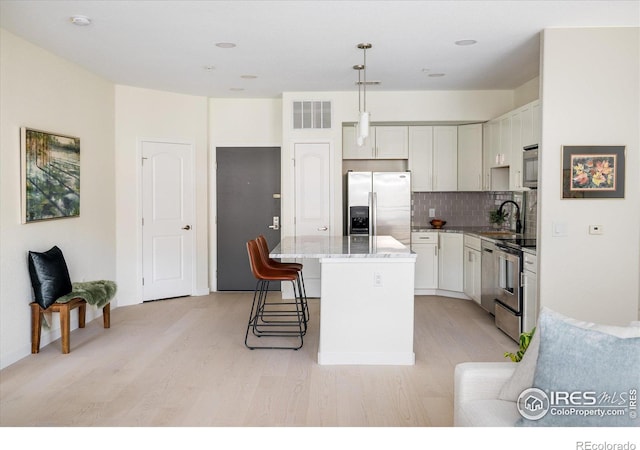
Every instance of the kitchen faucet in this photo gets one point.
(518, 223)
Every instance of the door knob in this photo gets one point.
(276, 223)
(323, 229)
(186, 227)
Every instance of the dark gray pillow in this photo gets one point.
(49, 276)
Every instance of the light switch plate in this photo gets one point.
(559, 229)
(432, 212)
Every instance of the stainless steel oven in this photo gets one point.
(530, 166)
(508, 307)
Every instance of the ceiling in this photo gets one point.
(305, 45)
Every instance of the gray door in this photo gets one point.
(248, 199)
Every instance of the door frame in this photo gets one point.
(139, 229)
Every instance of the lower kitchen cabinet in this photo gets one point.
(529, 291)
(450, 261)
(425, 245)
(472, 268)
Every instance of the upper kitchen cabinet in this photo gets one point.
(421, 158)
(530, 116)
(384, 142)
(470, 157)
(433, 158)
(445, 158)
(515, 166)
(494, 149)
(525, 131)
(350, 147)
(486, 156)
(392, 142)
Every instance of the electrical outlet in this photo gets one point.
(377, 279)
(595, 229)
(432, 212)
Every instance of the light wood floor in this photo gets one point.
(182, 362)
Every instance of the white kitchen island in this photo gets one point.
(366, 304)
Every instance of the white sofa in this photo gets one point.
(564, 355)
(476, 402)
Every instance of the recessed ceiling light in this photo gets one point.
(225, 44)
(466, 42)
(81, 21)
(209, 68)
(435, 75)
(249, 77)
(236, 89)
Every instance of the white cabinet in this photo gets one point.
(504, 157)
(486, 157)
(391, 142)
(493, 151)
(472, 268)
(425, 245)
(470, 157)
(530, 114)
(433, 162)
(498, 152)
(537, 131)
(530, 291)
(445, 158)
(421, 158)
(384, 142)
(515, 166)
(450, 259)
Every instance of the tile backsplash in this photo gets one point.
(469, 209)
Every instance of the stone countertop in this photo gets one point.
(488, 233)
(341, 247)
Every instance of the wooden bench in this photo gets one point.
(65, 312)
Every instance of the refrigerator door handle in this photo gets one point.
(374, 212)
(370, 206)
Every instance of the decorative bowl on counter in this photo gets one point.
(438, 223)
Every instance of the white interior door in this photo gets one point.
(168, 219)
(313, 202)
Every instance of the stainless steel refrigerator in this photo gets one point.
(379, 203)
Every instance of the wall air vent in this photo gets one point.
(308, 115)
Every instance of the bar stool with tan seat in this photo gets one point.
(274, 319)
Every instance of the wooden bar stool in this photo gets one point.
(273, 319)
(65, 312)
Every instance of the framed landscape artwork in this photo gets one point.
(50, 175)
(593, 171)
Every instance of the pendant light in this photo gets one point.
(363, 116)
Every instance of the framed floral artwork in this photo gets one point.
(593, 171)
(50, 175)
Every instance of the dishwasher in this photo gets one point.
(489, 276)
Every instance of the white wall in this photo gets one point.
(40, 90)
(526, 93)
(149, 114)
(591, 96)
(238, 123)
